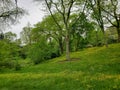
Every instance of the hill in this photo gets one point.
(95, 68)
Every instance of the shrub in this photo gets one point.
(8, 54)
(42, 51)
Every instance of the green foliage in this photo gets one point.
(96, 68)
(23, 51)
(42, 51)
(47, 28)
(80, 32)
(26, 34)
(10, 36)
(112, 34)
(96, 38)
(8, 54)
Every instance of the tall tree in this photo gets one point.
(49, 29)
(112, 14)
(97, 14)
(81, 29)
(64, 8)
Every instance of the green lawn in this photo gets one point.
(95, 68)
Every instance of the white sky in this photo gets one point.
(35, 15)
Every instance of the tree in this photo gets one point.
(97, 14)
(26, 34)
(48, 28)
(81, 30)
(9, 12)
(10, 36)
(9, 8)
(8, 54)
(1, 36)
(112, 34)
(64, 8)
(112, 14)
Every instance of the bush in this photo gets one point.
(8, 54)
(17, 66)
(11, 64)
(42, 51)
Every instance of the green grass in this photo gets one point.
(97, 69)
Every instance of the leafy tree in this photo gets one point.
(10, 36)
(49, 29)
(64, 8)
(80, 31)
(26, 34)
(8, 54)
(112, 14)
(112, 34)
(98, 15)
(9, 51)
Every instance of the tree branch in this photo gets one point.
(53, 15)
(69, 10)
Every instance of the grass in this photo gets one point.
(98, 68)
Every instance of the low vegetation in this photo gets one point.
(65, 50)
(95, 68)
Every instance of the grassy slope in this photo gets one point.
(97, 69)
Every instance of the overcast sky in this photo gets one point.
(35, 15)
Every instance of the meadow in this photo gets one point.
(96, 68)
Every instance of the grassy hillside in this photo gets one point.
(90, 69)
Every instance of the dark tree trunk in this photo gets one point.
(118, 31)
(96, 39)
(61, 46)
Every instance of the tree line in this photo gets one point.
(70, 25)
(74, 24)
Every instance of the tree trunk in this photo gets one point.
(105, 39)
(96, 38)
(78, 42)
(67, 47)
(104, 35)
(118, 31)
(61, 45)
